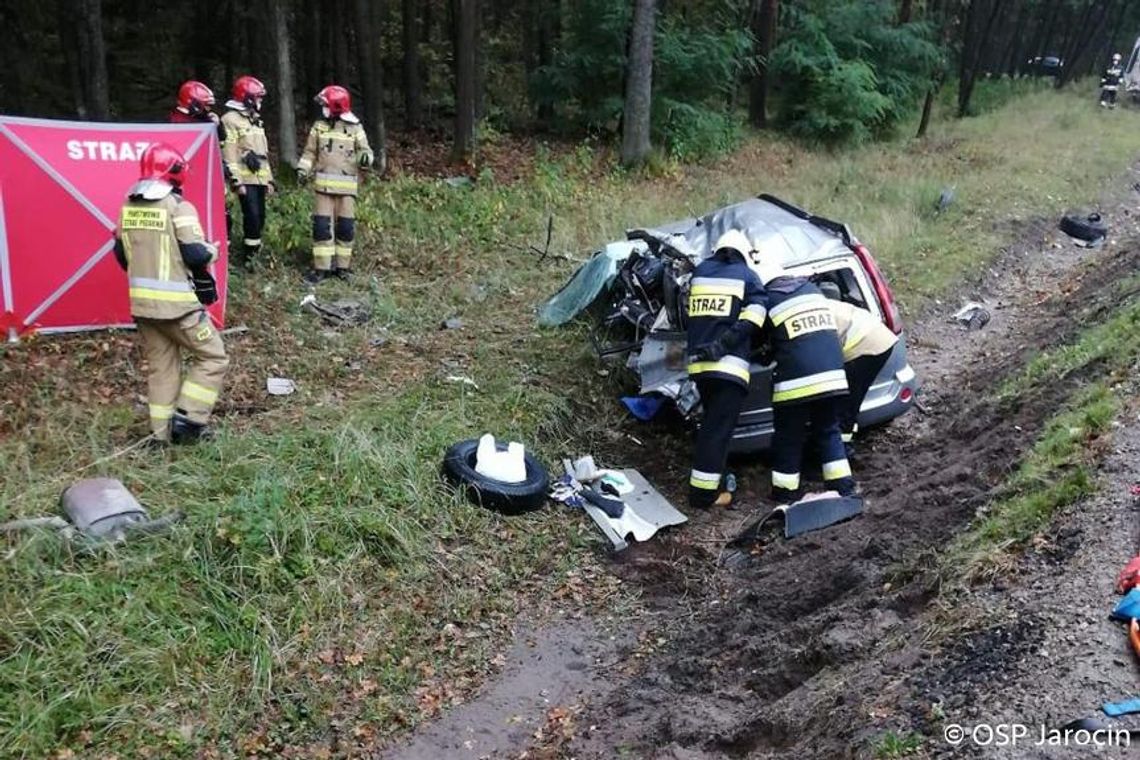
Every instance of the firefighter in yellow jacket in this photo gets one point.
(159, 243)
(335, 152)
(867, 344)
(246, 154)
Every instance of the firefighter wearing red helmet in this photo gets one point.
(195, 104)
(160, 245)
(336, 150)
(246, 154)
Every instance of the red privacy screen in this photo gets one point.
(61, 186)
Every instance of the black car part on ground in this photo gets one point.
(1084, 227)
(507, 498)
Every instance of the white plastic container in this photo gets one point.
(504, 466)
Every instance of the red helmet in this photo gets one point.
(195, 98)
(249, 91)
(335, 100)
(163, 162)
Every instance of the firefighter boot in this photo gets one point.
(184, 431)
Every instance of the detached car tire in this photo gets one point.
(1084, 227)
(507, 498)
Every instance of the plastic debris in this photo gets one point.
(973, 315)
(280, 386)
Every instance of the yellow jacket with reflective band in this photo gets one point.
(809, 359)
(860, 333)
(160, 285)
(332, 154)
(244, 135)
(723, 293)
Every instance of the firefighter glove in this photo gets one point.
(709, 352)
(204, 286)
(366, 159)
(302, 175)
(252, 161)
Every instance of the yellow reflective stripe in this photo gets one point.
(840, 468)
(708, 481)
(697, 368)
(754, 314)
(344, 251)
(790, 481)
(164, 295)
(806, 391)
(717, 290)
(847, 437)
(348, 183)
(197, 392)
(161, 411)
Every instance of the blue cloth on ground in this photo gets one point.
(1128, 607)
(1116, 709)
(643, 408)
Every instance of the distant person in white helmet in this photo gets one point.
(1110, 82)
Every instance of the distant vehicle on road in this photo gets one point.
(1044, 66)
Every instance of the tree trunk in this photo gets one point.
(89, 71)
(764, 17)
(927, 110)
(480, 64)
(413, 114)
(371, 79)
(906, 12)
(286, 105)
(639, 85)
(339, 41)
(466, 21)
(549, 22)
(973, 52)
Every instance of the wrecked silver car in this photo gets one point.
(638, 288)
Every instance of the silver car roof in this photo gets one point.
(771, 229)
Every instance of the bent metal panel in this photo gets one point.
(61, 186)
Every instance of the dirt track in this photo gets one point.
(811, 651)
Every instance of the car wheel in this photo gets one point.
(1084, 228)
(507, 498)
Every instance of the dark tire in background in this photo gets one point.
(1084, 227)
(507, 498)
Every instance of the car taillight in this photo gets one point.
(882, 290)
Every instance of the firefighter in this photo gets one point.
(195, 106)
(159, 243)
(808, 384)
(246, 153)
(336, 150)
(1110, 82)
(725, 313)
(867, 344)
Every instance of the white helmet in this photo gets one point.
(734, 240)
(765, 267)
(1116, 57)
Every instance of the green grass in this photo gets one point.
(1060, 468)
(321, 564)
(893, 745)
